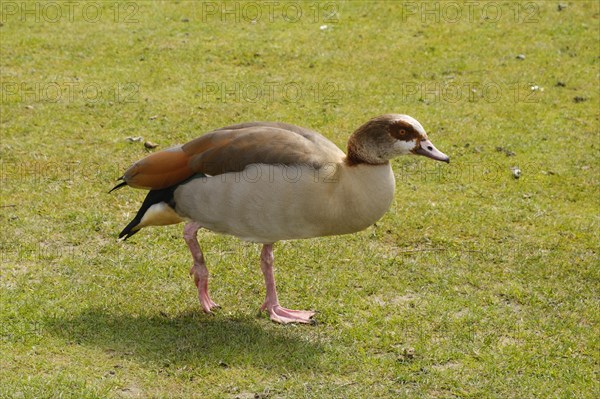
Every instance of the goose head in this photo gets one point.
(388, 136)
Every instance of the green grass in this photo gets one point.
(474, 285)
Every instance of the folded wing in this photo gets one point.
(232, 149)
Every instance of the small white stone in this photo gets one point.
(516, 172)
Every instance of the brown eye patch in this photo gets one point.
(402, 130)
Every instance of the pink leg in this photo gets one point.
(276, 312)
(198, 270)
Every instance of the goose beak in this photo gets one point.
(427, 149)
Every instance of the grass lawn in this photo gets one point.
(475, 284)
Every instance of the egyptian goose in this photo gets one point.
(264, 182)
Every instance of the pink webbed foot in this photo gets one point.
(202, 284)
(271, 304)
(198, 270)
(282, 315)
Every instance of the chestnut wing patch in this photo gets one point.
(232, 149)
(159, 170)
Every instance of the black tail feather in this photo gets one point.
(118, 186)
(128, 231)
(153, 197)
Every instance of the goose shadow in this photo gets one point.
(190, 339)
